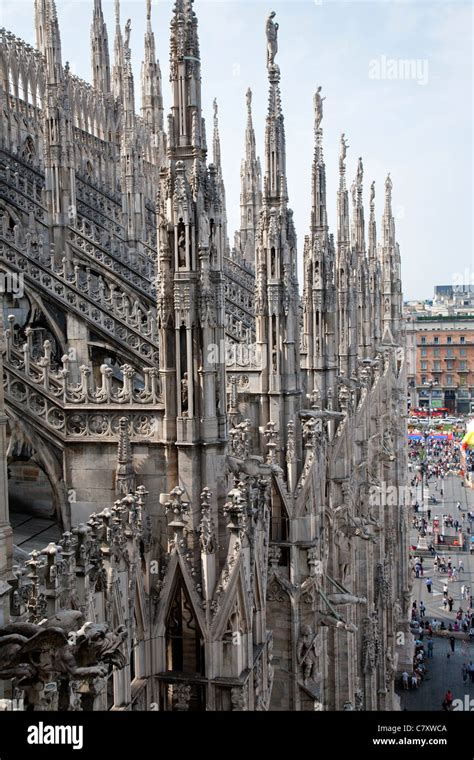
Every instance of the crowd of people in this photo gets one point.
(439, 456)
(431, 460)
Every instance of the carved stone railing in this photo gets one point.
(40, 372)
(138, 260)
(113, 261)
(62, 289)
(22, 187)
(102, 201)
(68, 423)
(20, 174)
(16, 193)
(237, 326)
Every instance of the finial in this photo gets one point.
(215, 107)
(148, 10)
(318, 107)
(360, 173)
(272, 40)
(343, 153)
(128, 28)
(248, 98)
(117, 12)
(388, 194)
(124, 473)
(372, 193)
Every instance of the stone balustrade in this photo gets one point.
(130, 389)
(116, 317)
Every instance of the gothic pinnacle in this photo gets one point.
(388, 195)
(216, 155)
(342, 161)
(100, 50)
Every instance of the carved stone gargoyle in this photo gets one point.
(40, 653)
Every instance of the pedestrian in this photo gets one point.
(454, 576)
(414, 681)
(452, 641)
(430, 647)
(460, 566)
(429, 583)
(465, 673)
(458, 505)
(405, 680)
(445, 602)
(448, 700)
(450, 603)
(471, 671)
(429, 514)
(445, 589)
(422, 609)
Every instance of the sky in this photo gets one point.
(397, 78)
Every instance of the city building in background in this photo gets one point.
(440, 350)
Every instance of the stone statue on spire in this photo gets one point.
(372, 193)
(360, 172)
(148, 10)
(318, 107)
(128, 27)
(248, 98)
(272, 40)
(343, 150)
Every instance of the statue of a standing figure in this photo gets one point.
(204, 230)
(248, 98)
(272, 40)
(318, 107)
(184, 395)
(344, 146)
(128, 27)
(372, 192)
(308, 654)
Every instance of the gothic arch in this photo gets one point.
(48, 459)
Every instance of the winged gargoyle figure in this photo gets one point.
(51, 649)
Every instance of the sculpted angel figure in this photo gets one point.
(272, 39)
(128, 27)
(318, 107)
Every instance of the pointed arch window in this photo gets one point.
(184, 640)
